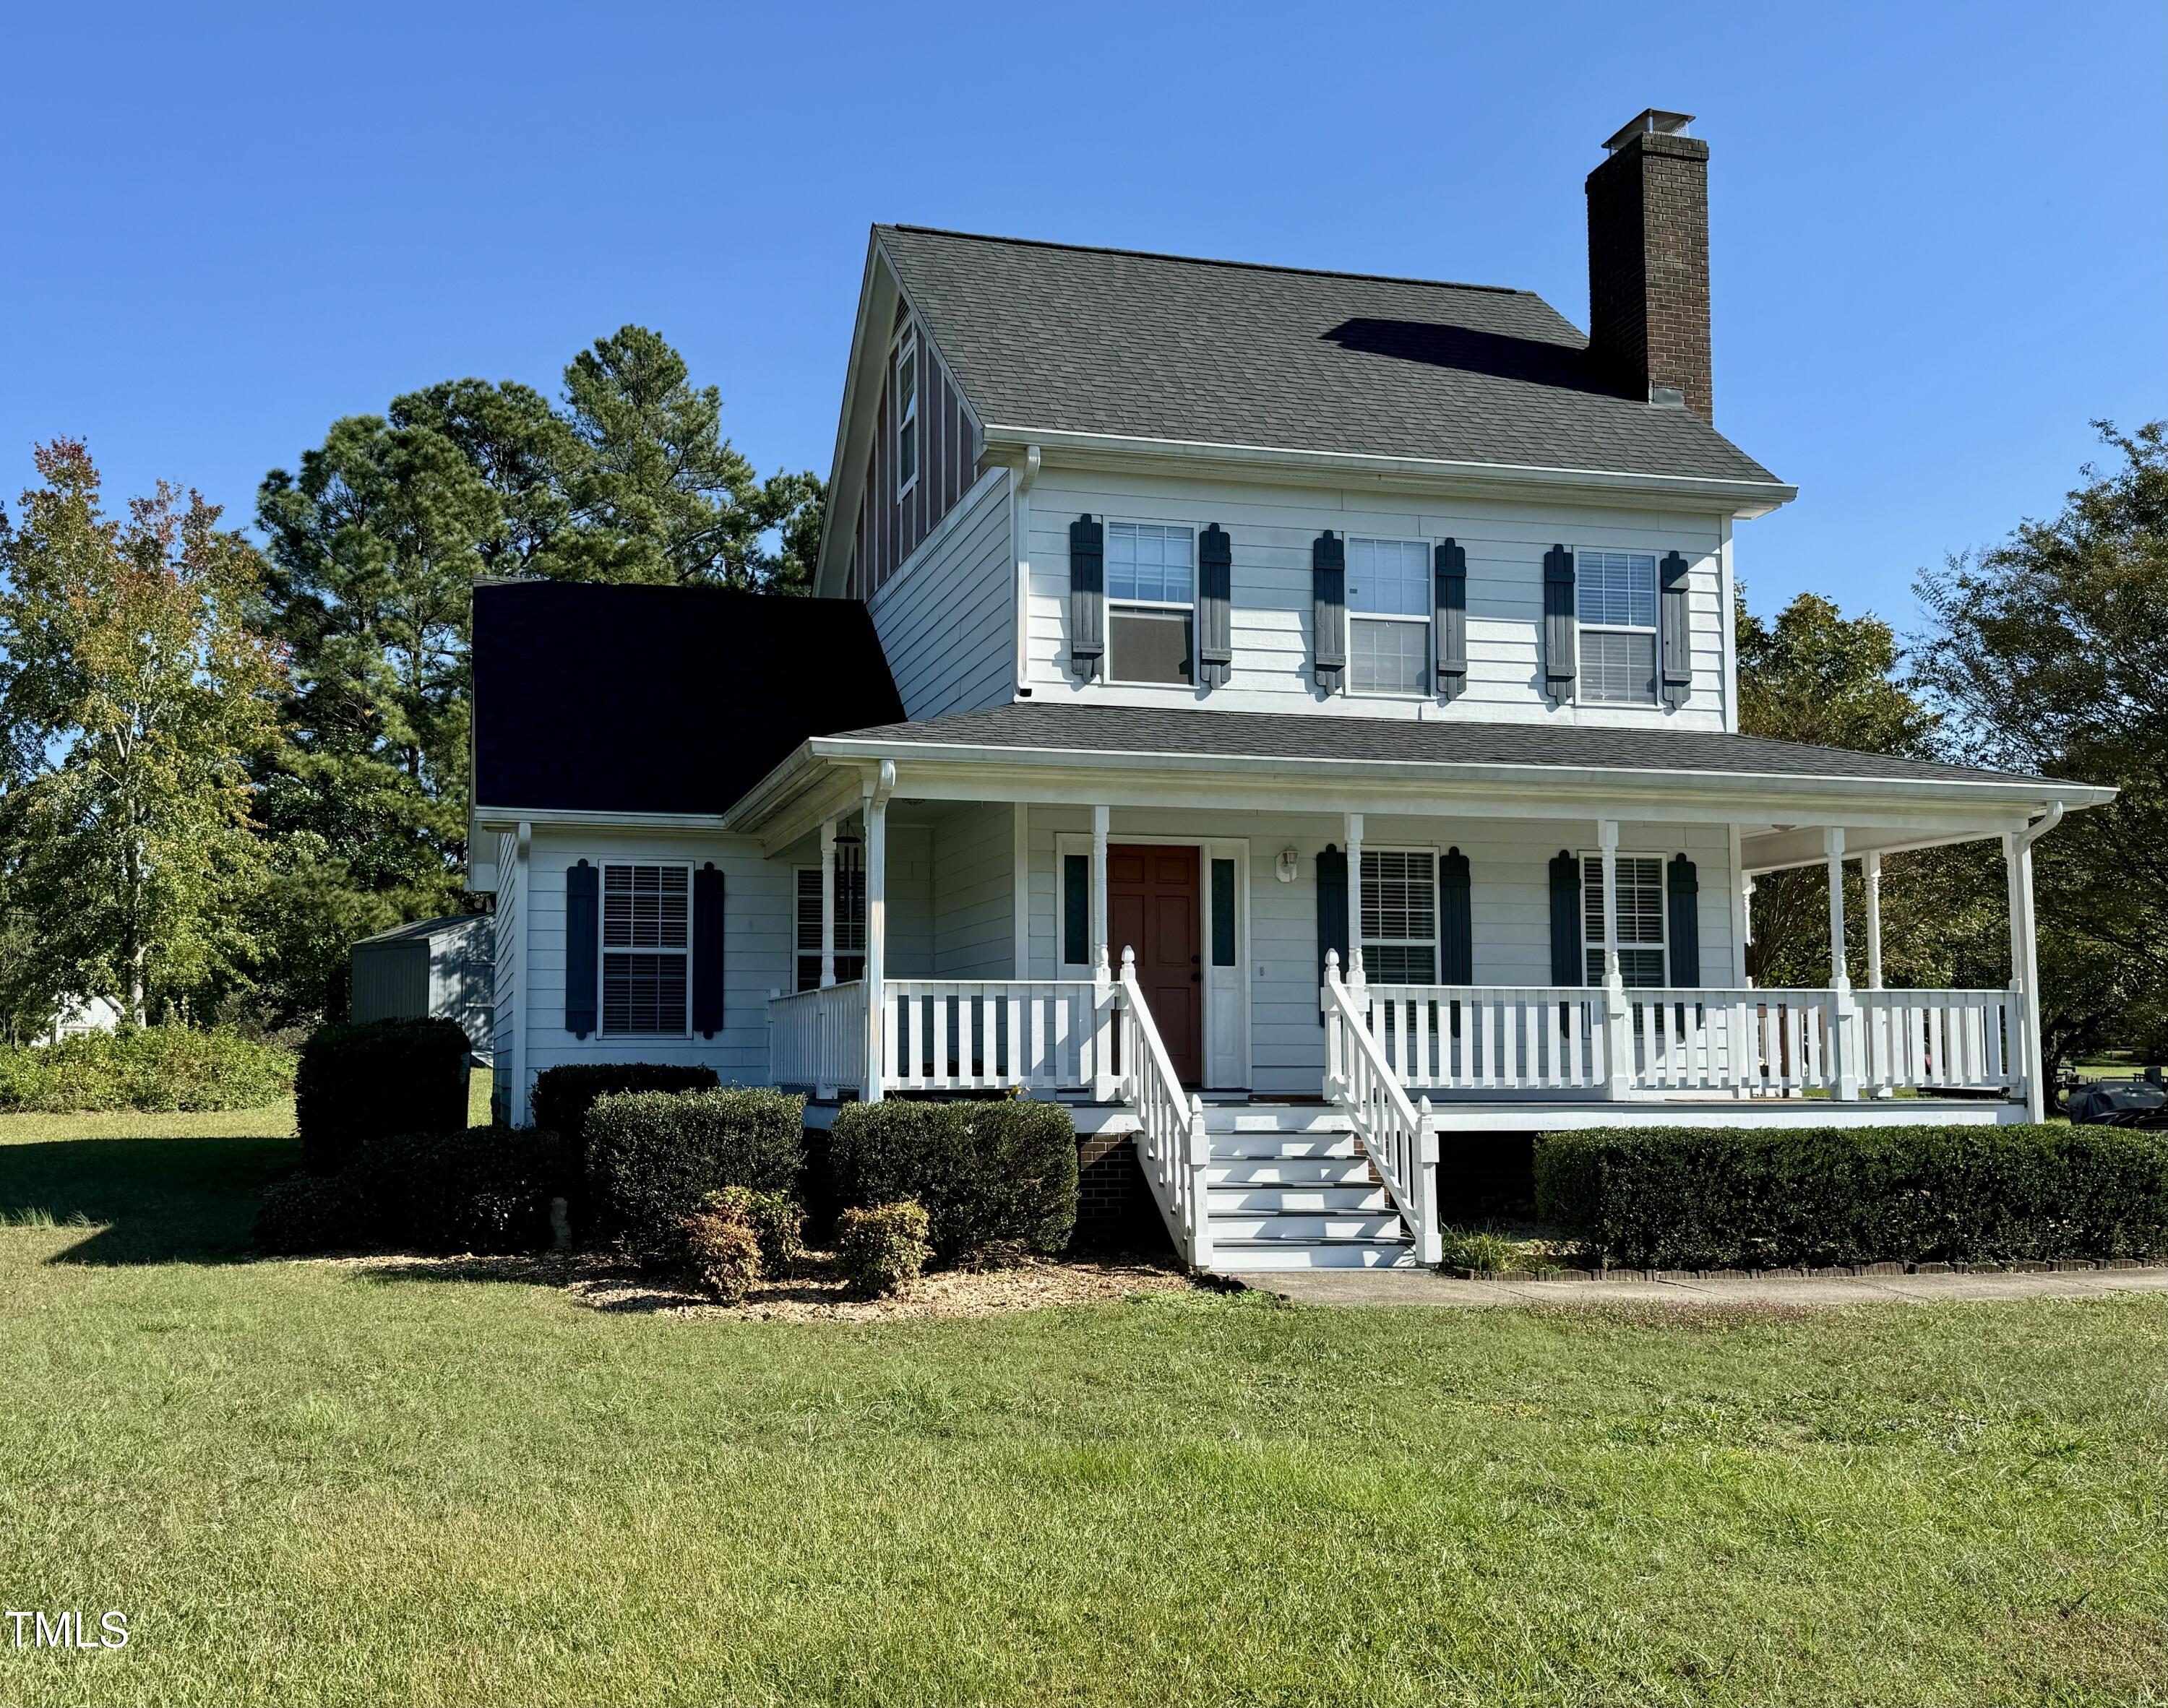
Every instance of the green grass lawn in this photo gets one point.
(307, 1483)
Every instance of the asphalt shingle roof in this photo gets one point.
(1088, 728)
(1105, 341)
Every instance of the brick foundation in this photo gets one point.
(1114, 1210)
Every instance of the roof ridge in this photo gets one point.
(1208, 260)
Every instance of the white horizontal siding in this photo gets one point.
(1509, 879)
(947, 619)
(1272, 529)
(974, 893)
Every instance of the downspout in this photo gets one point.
(523, 977)
(1020, 538)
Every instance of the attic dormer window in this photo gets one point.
(907, 411)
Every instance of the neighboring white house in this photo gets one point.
(79, 1015)
(1292, 715)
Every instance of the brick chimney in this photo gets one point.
(1647, 261)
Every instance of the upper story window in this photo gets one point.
(1399, 914)
(1640, 918)
(1616, 595)
(1152, 603)
(907, 411)
(850, 917)
(646, 938)
(1388, 614)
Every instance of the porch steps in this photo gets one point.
(1289, 1188)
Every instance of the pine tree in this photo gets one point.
(133, 691)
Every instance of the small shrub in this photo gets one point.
(991, 1176)
(776, 1220)
(879, 1249)
(1723, 1198)
(1477, 1250)
(564, 1094)
(723, 1256)
(156, 1069)
(653, 1155)
(310, 1212)
(377, 1079)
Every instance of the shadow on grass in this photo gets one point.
(151, 1200)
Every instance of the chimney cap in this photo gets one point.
(1650, 119)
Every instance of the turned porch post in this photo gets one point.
(827, 902)
(1105, 1086)
(1102, 968)
(2024, 974)
(877, 791)
(1878, 1024)
(1618, 1021)
(1844, 1012)
(1357, 976)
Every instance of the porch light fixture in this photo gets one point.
(1284, 870)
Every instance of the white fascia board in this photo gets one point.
(1736, 498)
(508, 818)
(847, 455)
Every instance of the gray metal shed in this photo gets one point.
(442, 967)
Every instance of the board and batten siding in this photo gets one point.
(947, 623)
(1508, 861)
(889, 529)
(1273, 530)
(759, 904)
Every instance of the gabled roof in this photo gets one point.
(650, 699)
(1112, 342)
(416, 931)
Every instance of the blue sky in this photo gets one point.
(1936, 230)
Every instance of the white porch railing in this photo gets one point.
(1581, 1040)
(1400, 1139)
(818, 1037)
(1172, 1144)
(989, 1035)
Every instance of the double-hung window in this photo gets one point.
(850, 917)
(1617, 596)
(907, 411)
(1152, 603)
(646, 938)
(1399, 915)
(1640, 918)
(1388, 613)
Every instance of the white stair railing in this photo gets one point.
(1171, 1145)
(1399, 1138)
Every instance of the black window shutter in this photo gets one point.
(1567, 966)
(1452, 613)
(1331, 911)
(1328, 599)
(1683, 892)
(1678, 640)
(1216, 588)
(1087, 603)
(1559, 638)
(1456, 921)
(582, 945)
(708, 951)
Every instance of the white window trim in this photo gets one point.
(799, 952)
(1352, 617)
(603, 951)
(1592, 860)
(1110, 604)
(1431, 942)
(906, 351)
(1655, 631)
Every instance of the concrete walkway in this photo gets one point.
(1416, 1286)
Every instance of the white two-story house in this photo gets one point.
(1290, 714)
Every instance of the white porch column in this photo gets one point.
(2024, 976)
(1870, 871)
(1844, 1013)
(876, 808)
(1102, 970)
(1617, 1019)
(1356, 974)
(827, 902)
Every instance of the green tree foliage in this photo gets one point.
(2049, 653)
(133, 688)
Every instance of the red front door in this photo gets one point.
(1155, 906)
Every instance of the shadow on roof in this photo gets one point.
(1530, 360)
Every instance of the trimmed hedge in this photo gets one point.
(485, 1188)
(564, 1094)
(155, 1069)
(1742, 1198)
(652, 1156)
(378, 1079)
(990, 1174)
